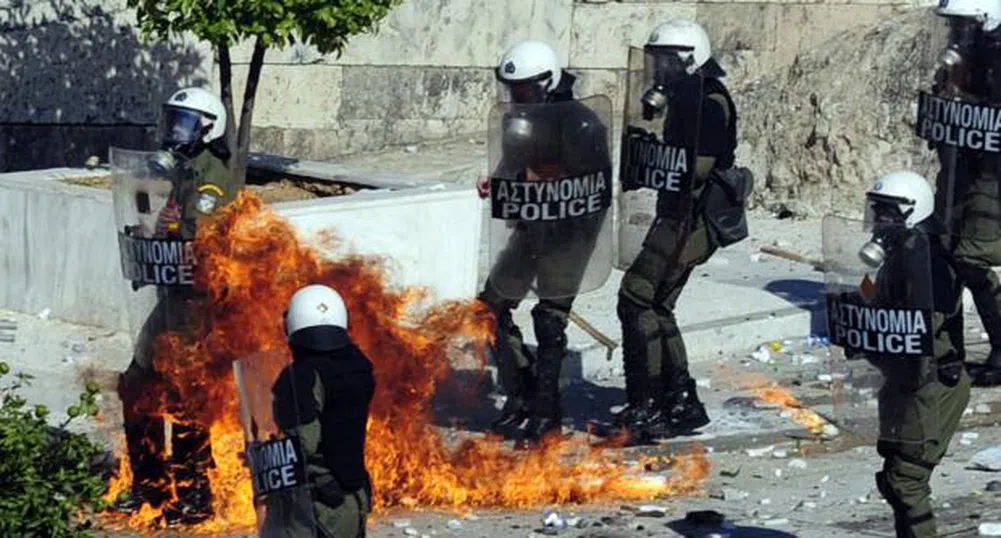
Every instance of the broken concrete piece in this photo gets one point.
(651, 510)
(987, 460)
(410, 531)
(454, 525)
(989, 529)
(401, 523)
(780, 453)
(759, 452)
(553, 520)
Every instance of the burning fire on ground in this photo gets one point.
(251, 262)
(768, 392)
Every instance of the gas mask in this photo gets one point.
(665, 69)
(955, 62)
(888, 231)
(163, 163)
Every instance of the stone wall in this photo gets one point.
(81, 79)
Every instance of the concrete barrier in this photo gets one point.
(60, 251)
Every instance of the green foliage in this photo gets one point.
(47, 475)
(325, 24)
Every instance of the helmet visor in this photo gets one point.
(665, 65)
(885, 212)
(179, 126)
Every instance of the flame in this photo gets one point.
(802, 415)
(250, 263)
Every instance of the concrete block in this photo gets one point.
(603, 33)
(452, 33)
(412, 93)
(293, 97)
(64, 252)
(358, 135)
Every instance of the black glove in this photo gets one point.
(330, 493)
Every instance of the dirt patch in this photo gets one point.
(283, 189)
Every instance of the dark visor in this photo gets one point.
(180, 126)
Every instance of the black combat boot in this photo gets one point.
(987, 374)
(681, 411)
(146, 446)
(192, 459)
(512, 417)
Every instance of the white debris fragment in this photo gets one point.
(651, 510)
(410, 531)
(982, 409)
(830, 431)
(759, 452)
(984, 336)
(989, 529)
(454, 525)
(969, 435)
(401, 523)
(573, 521)
(45, 313)
(411, 149)
(806, 505)
(762, 354)
(825, 479)
(553, 520)
(756, 257)
(775, 522)
(780, 453)
(765, 501)
(987, 460)
(471, 517)
(967, 411)
(778, 473)
(786, 414)
(797, 463)
(703, 383)
(863, 499)
(824, 378)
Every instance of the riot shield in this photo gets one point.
(657, 162)
(269, 413)
(959, 115)
(550, 196)
(153, 256)
(879, 304)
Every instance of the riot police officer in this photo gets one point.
(194, 156)
(331, 385)
(923, 397)
(970, 71)
(549, 135)
(682, 96)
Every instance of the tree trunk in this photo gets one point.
(226, 89)
(247, 110)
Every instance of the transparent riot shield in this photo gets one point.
(879, 307)
(269, 412)
(959, 115)
(156, 262)
(657, 162)
(550, 198)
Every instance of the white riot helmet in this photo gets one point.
(316, 319)
(688, 45)
(896, 201)
(987, 13)
(530, 71)
(190, 116)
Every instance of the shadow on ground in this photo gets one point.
(695, 530)
(806, 294)
(464, 401)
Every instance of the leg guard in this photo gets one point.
(907, 492)
(550, 322)
(144, 437)
(513, 362)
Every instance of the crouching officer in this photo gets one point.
(332, 390)
(925, 387)
(194, 163)
(677, 107)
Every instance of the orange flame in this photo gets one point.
(250, 263)
(800, 414)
